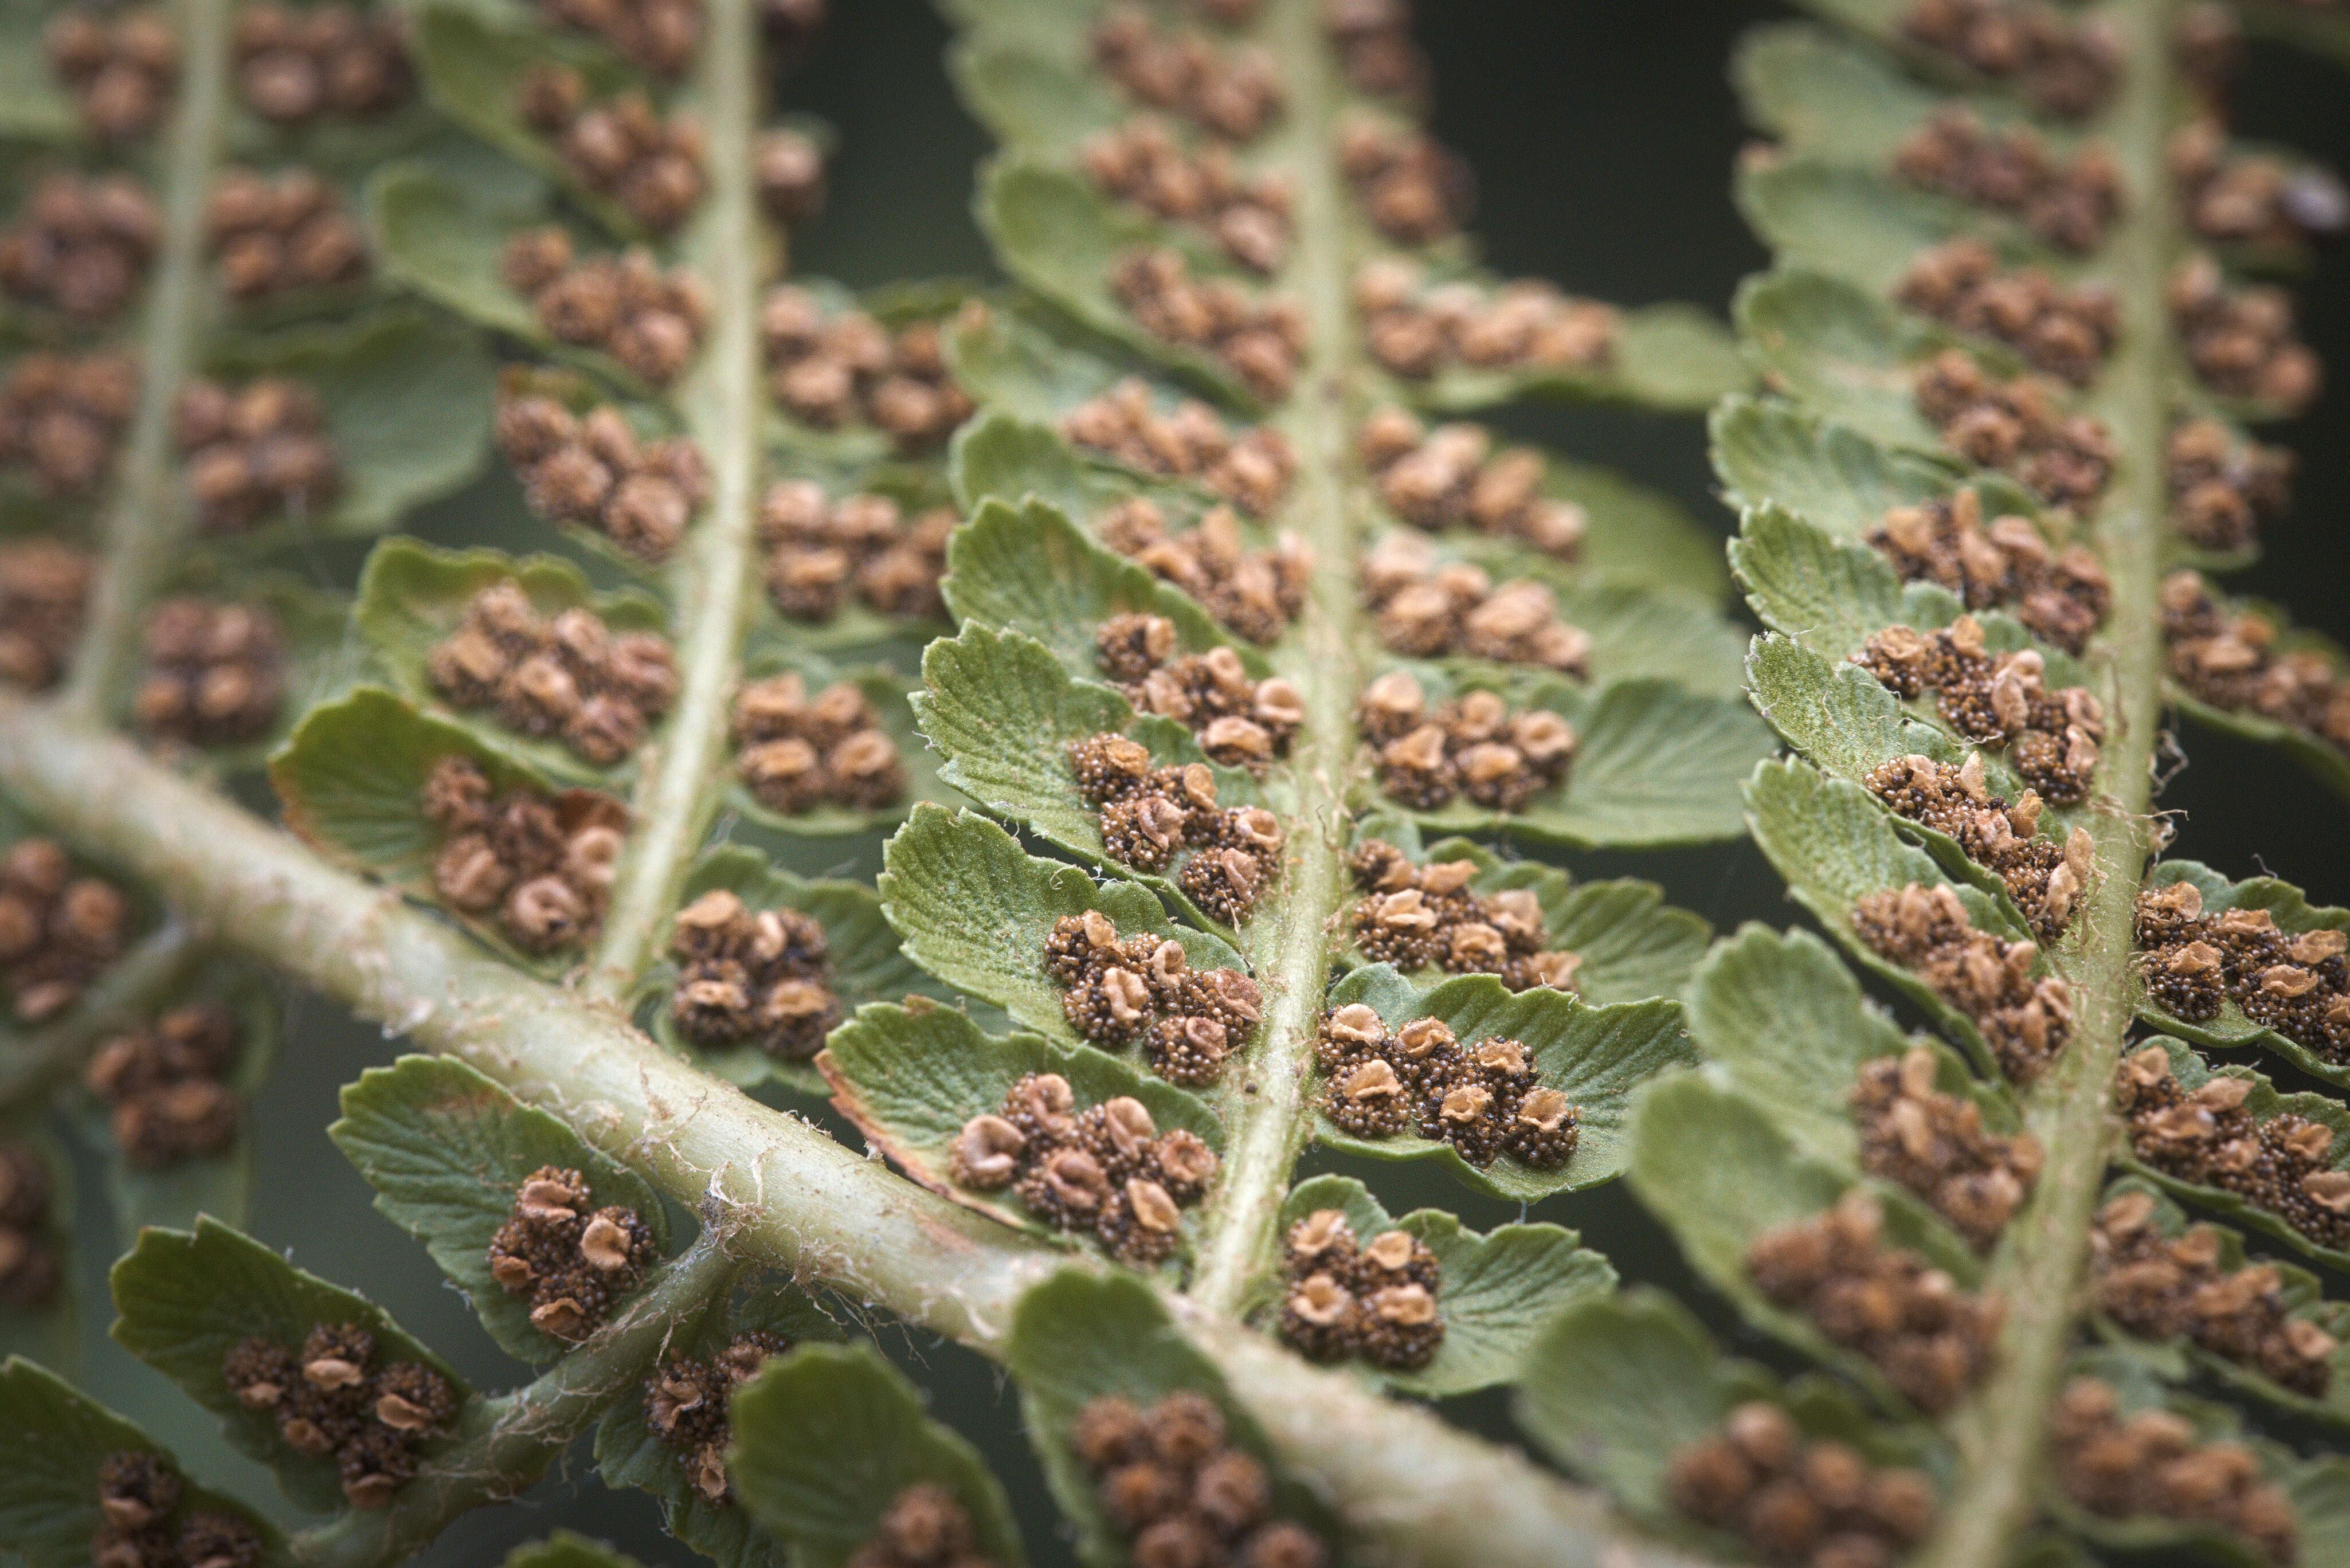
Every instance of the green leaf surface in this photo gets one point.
(1675, 358)
(1001, 457)
(1829, 597)
(1861, 226)
(1828, 96)
(827, 1438)
(35, 106)
(562, 1549)
(2294, 914)
(1831, 475)
(1843, 353)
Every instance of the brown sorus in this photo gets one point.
(1927, 931)
(255, 452)
(57, 929)
(539, 865)
(762, 976)
(567, 678)
(44, 590)
(796, 752)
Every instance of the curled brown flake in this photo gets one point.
(2243, 342)
(2048, 880)
(1107, 1171)
(1150, 815)
(1426, 611)
(1258, 341)
(923, 1527)
(2251, 199)
(1934, 1144)
(60, 416)
(1798, 1500)
(1928, 931)
(569, 677)
(1995, 701)
(1482, 1098)
(2061, 595)
(333, 1397)
(2150, 1464)
(540, 865)
(2282, 1163)
(1415, 329)
(2222, 488)
(1419, 917)
(820, 551)
(1472, 746)
(44, 591)
(1379, 1301)
(762, 976)
(2295, 983)
(685, 1405)
(2019, 427)
(2065, 332)
(122, 70)
(164, 1085)
(1251, 469)
(1241, 721)
(796, 752)
(1253, 594)
(1412, 191)
(80, 246)
(573, 1260)
(57, 929)
(1375, 46)
(2069, 203)
(1140, 990)
(1449, 477)
(592, 470)
(255, 452)
(1176, 1489)
(2233, 660)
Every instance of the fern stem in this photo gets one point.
(715, 579)
(512, 1439)
(1289, 944)
(148, 518)
(2040, 1273)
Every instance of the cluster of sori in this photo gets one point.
(1252, 594)
(1257, 341)
(332, 1398)
(1251, 469)
(1375, 1300)
(1427, 610)
(275, 235)
(2166, 1288)
(2018, 427)
(685, 1405)
(162, 1086)
(2068, 202)
(2065, 332)
(60, 415)
(2044, 878)
(788, 167)
(2230, 661)
(1480, 1098)
(1241, 721)
(1421, 916)
(2061, 595)
(2195, 964)
(253, 452)
(1106, 1170)
(655, 36)
(1118, 991)
(2222, 487)
(121, 68)
(923, 1527)
(1413, 191)
(1795, 1501)
(296, 63)
(574, 1262)
(2063, 67)
(80, 246)
(1935, 1145)
(1179, 1492)
(1449, 476)
(57, 930)
(214, 674)
(44, 590)
(622, 150)
(2241, 341)
(540, 865)
(1414, 329)
(819, 550)
(1149, 813)
(591, 469)
(1472, 746)
(1248, 216)
(829, 372)
(1927, 931)
(2280, 1164)
(800, 752)
(1931, 1340)
(143, 1524)
(650, 321)
(30, 1268)
(2251, 199)
(1230, 91)
(2152, 1465)
(570, 678)
(758, 975)
(1996, 700)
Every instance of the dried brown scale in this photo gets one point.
(295, 64)
(332, 1398)
(2046, 880)
(2282, 1164)
(1927, 931)
(1179, 1494)
(662, 36)
(1150, 815)
(1996, 700)
(1252, 594)
(31, 1268)
(1421, 916)
(1481, 1098)
(1934, 1144)
(821, 551)
(1415, 329)
(2222, 488)
(2152, 1465)
(1258, 341)
(923, 1527)
(1472, 746)
(254, 452)
(2065, 332)
(1107, 1171)
(164, 1085)
(2232, 661)
(2243, 342)
(593, 471)
(570, 678)
(2019, 427)
(788, 168)
(2250, 199)
(122, 70)
(685, 1405)
(57, 930)
(80, 246)
(269, 236)
(1796, 1500)
(832, 370)
(2063, 67)
(1426, 611)
(1251, 469)
(215, 674)
(539, 865)
(2168, 1287)
(1375, 46)
(143, 1524)
(574, 1262)
(796, 752)
(2294, 984)
(1140, 990)
(1413, 191)
(44, 592)
(1379, 1301)
(1241, 721)
(2069, 204)
(651, 322)
(623, 150)
(1449, 477)
(61, 415)
(763, 976)
(1232, 91)
(1142, 161)
(2063, 596)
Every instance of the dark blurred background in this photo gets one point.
(1602, 134)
